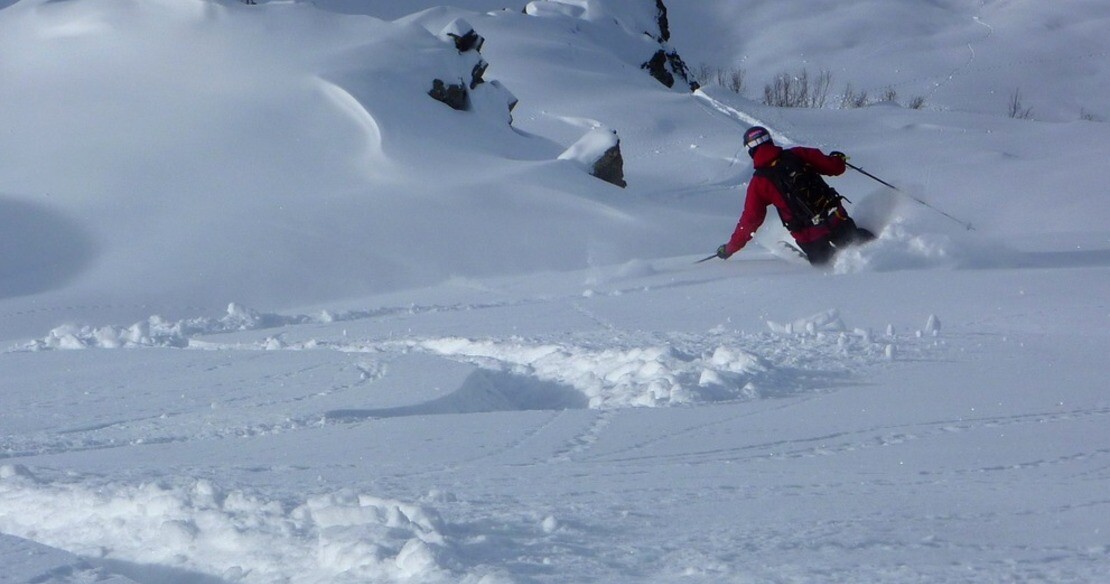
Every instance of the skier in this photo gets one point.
(809, 208)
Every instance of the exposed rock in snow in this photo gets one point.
(599, 151)
(647, 18)
(469, 45)
(453, 94)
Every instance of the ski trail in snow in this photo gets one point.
(742, 118)
(743, 121)
(842, 443)
(970, 58)
(585, 440)
(603, 323)
(626, 453)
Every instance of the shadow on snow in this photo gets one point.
(483, 391)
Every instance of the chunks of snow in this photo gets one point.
(158, 332)
(651, 376)
(828, 321)
(198, 527)
(578, 371)
(932, 325)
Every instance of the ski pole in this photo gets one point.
(877, 179)
(706, 259)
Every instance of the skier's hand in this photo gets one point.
(839, 154)
(722, 252)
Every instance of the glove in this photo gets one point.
(839, 154)
(722, 252)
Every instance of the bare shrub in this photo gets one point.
(796, 90)
(735, 81)
(851, 99)
(889, 95)
(799, 90)
(1016, 109)
(703, 72)
(731, 79)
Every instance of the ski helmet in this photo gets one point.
(756, 136)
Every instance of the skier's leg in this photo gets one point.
(847, 233)
(818, 252)
(863, 235)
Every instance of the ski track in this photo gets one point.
(742, 119)
(581, 443)
(613, 455)
(862, 439)
(970, 59)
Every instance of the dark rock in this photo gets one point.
(453, 95)
(468, 41)
(657, 67)
(477, 72)
(463, 35)
(610, 167)
(666, 65)
(664, 24)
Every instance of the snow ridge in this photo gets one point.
(657, 369)
(234, 535)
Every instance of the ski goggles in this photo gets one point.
(757, 140)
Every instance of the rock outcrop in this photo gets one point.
(459, 93)
(599, 152)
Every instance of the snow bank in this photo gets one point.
(642, 376)
(904, 245)
(232, 535)
(586, 151)
(156, 331)
(662, 369)
(634, 18)
(681, 369)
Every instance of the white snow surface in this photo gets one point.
(271, 314)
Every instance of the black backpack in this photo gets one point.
(811, 200)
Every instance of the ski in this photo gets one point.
(794, 250)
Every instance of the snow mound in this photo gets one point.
(634, 18)
(232, 535)
(901, 246)
(661, 369)
(639, 376)
(679, 369)
(156, 331)
(591, 146)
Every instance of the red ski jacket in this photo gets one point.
(762, 192)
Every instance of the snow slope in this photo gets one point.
(959, 55)
(271, 314)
